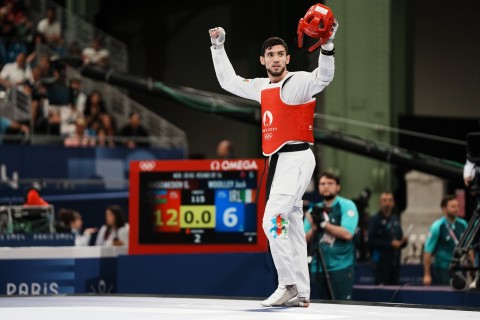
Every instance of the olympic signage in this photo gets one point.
(190, 206)
(226, 165)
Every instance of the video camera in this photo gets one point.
(469, 239)
(317, 214)
(473, 155)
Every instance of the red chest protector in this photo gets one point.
(283, 122)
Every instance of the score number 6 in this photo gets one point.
(230, 217)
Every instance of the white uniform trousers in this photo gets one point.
(283, 219)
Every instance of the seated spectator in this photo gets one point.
(103, 140)
(14, 74)
(95, 54)
(80, 138)
(94, 108)
(74, 110)
(136, 130)
(6, 125)
(74, 50)
(225, 149)
(107, 131)
(116, 229)
(50, 28)
(72, 221)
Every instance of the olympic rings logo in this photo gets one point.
(147, 165)
(267, 136)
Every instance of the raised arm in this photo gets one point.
(228, 79)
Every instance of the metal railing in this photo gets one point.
(76, 29)
(163, 134)
(15, 104)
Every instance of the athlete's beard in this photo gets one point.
(329, 197)
(276, 74)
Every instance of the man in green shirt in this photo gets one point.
(330, 226)
(442, 239)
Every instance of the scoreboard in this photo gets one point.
(186, 206)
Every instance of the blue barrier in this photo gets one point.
(107, 167)
(240, 274)
(60, 270)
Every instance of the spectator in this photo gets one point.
(103, 140)
(386, 239)
(72, 222)
(14, 74)
(94, 108)
(6, 125)
(107, 131)
(225, 149)
(80, 138)
(135, 129)
(442, 239)
(74, 50)
(330, 226)
(39, 117)
(116, 229)
(95, 54)
(50, 28)
(75, 109)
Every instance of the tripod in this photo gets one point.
(462, 249)
(316, 251)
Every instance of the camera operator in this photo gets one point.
(330, 227)
(442, 239)
(386, 239)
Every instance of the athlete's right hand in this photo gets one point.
(217, 37)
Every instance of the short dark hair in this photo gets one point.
(273, 41)
(330, 175)
(446, 199)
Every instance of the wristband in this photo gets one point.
(328, 52)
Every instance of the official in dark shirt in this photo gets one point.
(385, 238)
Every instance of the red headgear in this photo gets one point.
(317, 23)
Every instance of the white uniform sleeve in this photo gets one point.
(230, 81)
(304, 85)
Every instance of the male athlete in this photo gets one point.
(287, 105)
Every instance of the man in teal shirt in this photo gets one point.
(442, 238)
(330, 226)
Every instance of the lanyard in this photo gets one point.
(390, 227)
(450, 231)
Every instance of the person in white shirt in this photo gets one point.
(115, 230)
(72, 220)
(50, 28)
(14, 73)
(81, 239)
(96, 54)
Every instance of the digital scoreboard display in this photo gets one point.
(196, 206)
